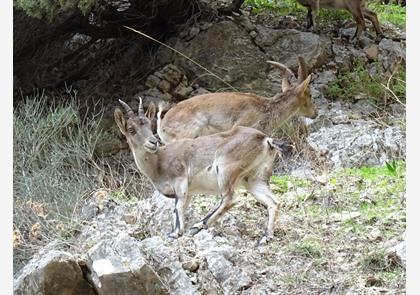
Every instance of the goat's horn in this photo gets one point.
(141, 111)
(303, 69)
(127, 108)
(281, 66)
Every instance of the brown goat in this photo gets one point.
(216, 112)
(357, 8)
(214, 164)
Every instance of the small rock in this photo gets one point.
(372, 52)
(129, 218)
(182, 91)
(193, 32)
(345, 216)
(191, 265)
(373, 281)
(164, 86)
(152, 81)
(398, 253)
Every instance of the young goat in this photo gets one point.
(357, 8)
(214, 164)
(216, 112)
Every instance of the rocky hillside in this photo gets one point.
(342, 224)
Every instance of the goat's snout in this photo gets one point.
(314, 115)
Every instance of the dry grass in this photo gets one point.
(55, 170)
(332, 236)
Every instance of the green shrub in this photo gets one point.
(52, 170)
(394, 14)
(358, 81)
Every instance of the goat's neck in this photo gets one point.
(282, 107)
(147, 163)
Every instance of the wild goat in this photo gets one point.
(214, 164)
(215, 112)
(357, 8)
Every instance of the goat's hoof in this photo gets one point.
(195, 230)
(379, 38)
(173, 235)
(264, 240)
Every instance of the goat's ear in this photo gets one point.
(302, 86)
(120, 120)
(151, 111)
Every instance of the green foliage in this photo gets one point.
(307, 248)
(358, 81)
(377, 261)
(285, 183)
(49, 9)
(278, 6)
(52, 170)
(395, 14)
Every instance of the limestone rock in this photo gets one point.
(221, 257)
(167, 266)
(391, 54)
(372, 52)
(54, 272)
(286, 45)
(225, 49)
(118, 267)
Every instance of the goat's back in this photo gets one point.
(210, 113)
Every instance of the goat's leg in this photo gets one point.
(370, 15)
(182, 200)
(309, 20)
(314, 13)
(356, 11)
(261, 191)
(224, 206)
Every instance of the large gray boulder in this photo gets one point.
(358, 144)
(222, 259)
(225, 49)
(391, 54)
(286, 45)
(118, 266)
(52, 272)
(165, 262)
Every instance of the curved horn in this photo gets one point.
(281, 66)
(285, 84)
(141, 111)
(127, 108)
(303, 69)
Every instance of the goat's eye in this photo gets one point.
(131, 130)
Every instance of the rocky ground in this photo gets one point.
(342, 233)
(342, 227)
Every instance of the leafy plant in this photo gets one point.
(52, 170)
(358, 81)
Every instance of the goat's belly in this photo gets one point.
(337, 4)
(204, 183)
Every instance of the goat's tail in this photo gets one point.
(281, 147)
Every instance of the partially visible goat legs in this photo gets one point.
(226, 203)
(309, 19)
(261, 191)
(356, 11)
(314, 13)
(182, 200)
(370, 15)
